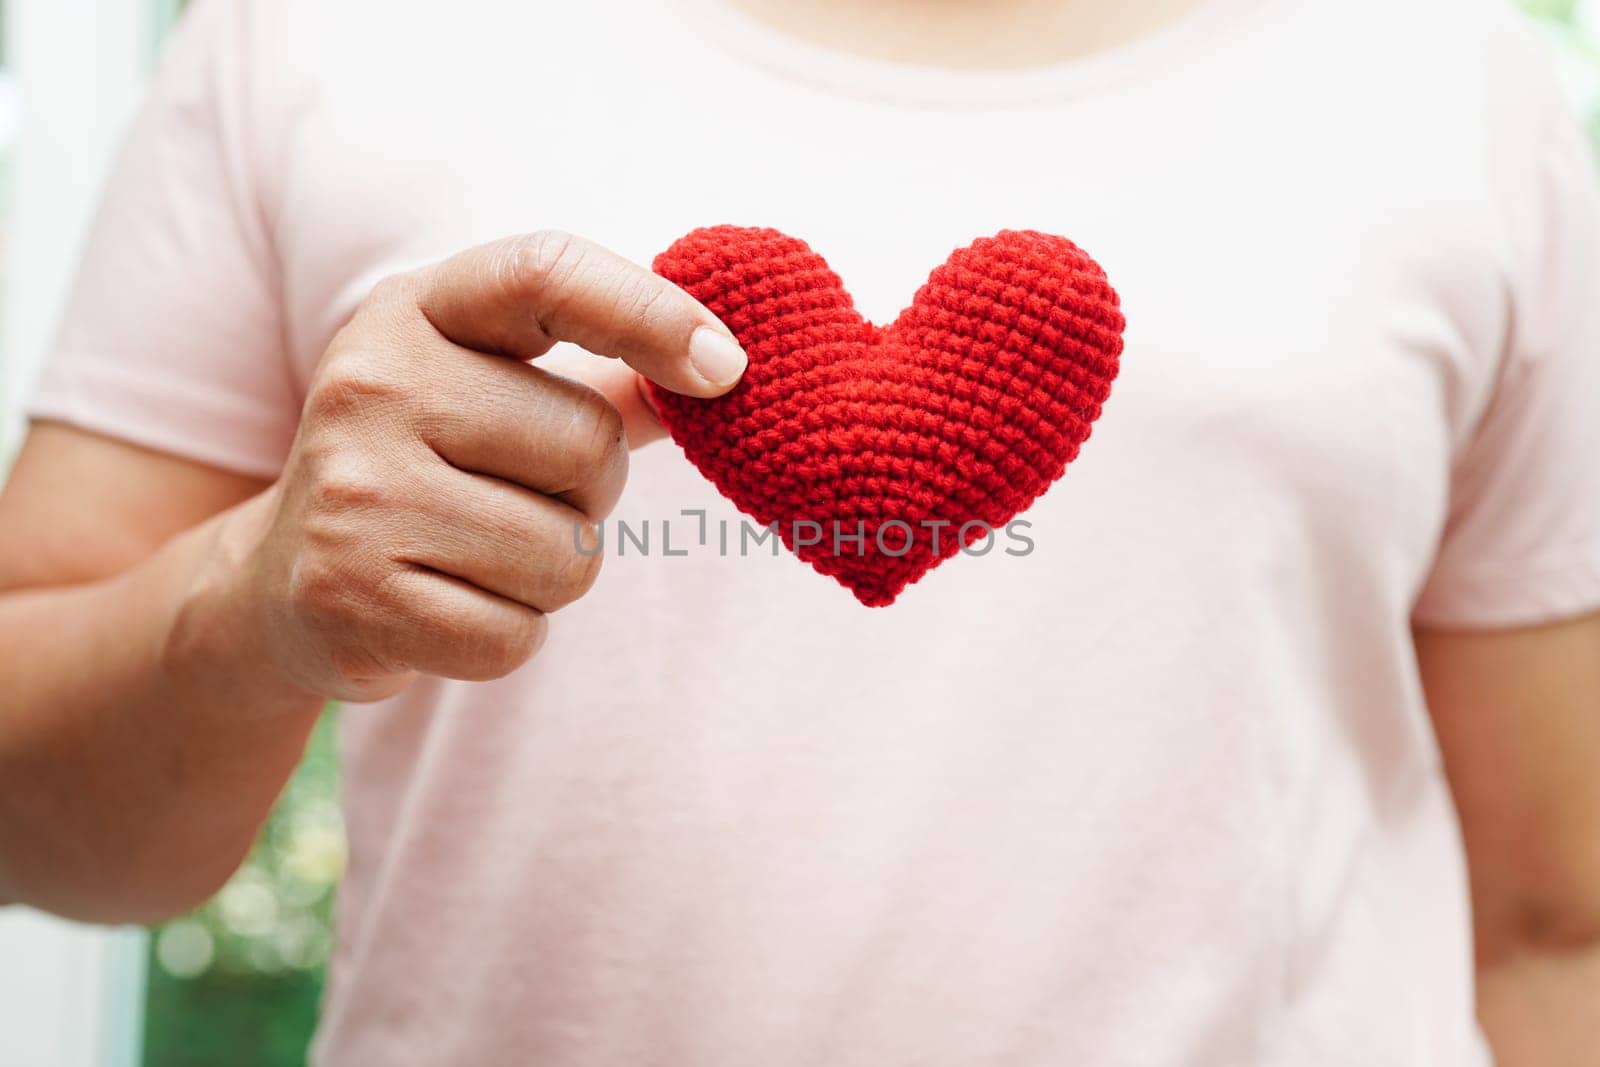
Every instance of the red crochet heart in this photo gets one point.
(962, 411)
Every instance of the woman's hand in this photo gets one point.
(442, 493)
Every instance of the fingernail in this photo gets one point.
(717, 357)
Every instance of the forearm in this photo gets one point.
(142, 737)
(1537, 1007)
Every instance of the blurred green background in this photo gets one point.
(1574, 28)
(238, 981)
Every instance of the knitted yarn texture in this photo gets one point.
(878, 452)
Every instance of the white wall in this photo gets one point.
(70, 996)
(76, 67)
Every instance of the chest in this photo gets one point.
(1303, 348)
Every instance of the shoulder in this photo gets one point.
(1460, 100)
(1481, 59)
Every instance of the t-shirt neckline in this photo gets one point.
(750, 40)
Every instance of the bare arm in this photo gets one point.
(92, 727)
(1518, 718)
(168, 633)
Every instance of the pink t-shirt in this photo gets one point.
(1161, 791)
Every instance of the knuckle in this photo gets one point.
(647, 306)
(572, 573)
(352, 385)
(318, 593)
(579, 439)
(496, 652)
(597, 432)
(640, 307)
(356, 667)
(516, 642)
(344, 483)
(544, 258)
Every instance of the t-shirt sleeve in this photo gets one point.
(1521, 544)
(172, 337)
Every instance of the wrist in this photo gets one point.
(220, 639)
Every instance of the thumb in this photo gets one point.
(519, 296)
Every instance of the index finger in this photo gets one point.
(517, 297)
